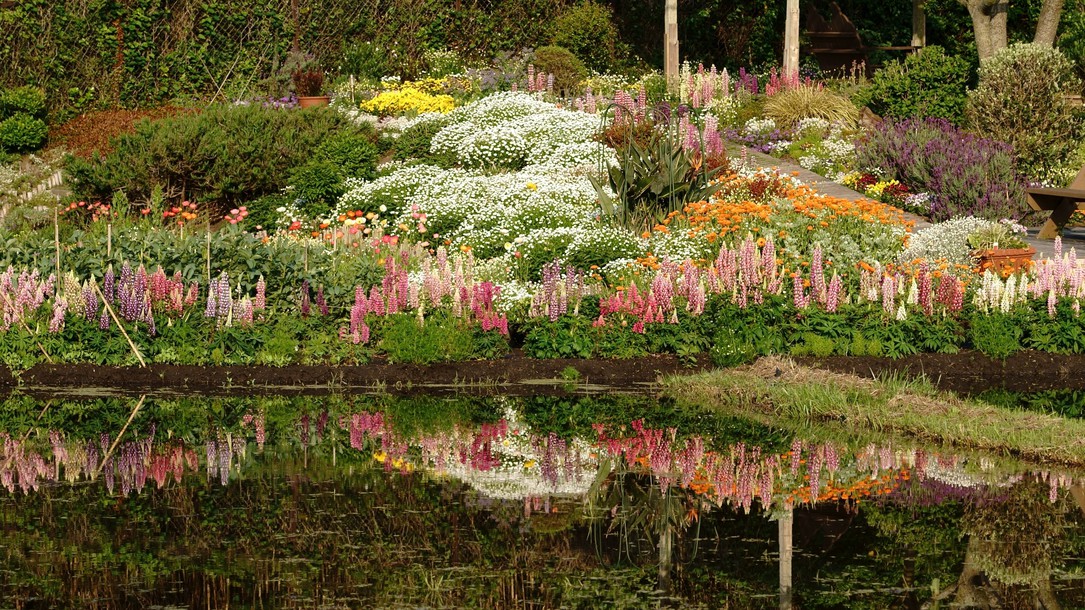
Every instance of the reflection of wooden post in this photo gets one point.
(670, 43)
(666, 555)
(786, 525)
(791, 39)
(919, 23)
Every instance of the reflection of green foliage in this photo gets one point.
(1067, 403)
(1017, 539)
(927, 537)
(574, 416)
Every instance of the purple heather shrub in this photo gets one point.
(966, 175)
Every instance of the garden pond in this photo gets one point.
(607, 500)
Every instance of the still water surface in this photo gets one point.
(617, 502)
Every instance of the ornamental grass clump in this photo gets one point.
(964, 174)
(793, 104)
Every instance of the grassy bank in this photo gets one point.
(778, 392)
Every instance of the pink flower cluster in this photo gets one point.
(440, 284)
(21, 295)
(225, 309)
(558, 290)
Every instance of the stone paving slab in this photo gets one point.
(1071, 237)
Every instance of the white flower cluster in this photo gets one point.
(583, 157)
(677, 246)
(394, 191)
(498, 108)
(725, 108)
(759, 126)
(947, 240)
(815, 125)
(833, 153)
(507, 130)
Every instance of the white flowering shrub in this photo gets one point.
(509, 130)
(759, 126)
(449, 140)
(545, 132)
(394, 191)
(946, 241)
(530, 251)
(679, 246)
(812, 125)
(725, 109)
(591, 156)
(601, 243)
(498, 108)
(500, 146)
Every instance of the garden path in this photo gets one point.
(1072, 237)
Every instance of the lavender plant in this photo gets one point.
(966, 175)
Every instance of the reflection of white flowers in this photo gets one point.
(520, 473)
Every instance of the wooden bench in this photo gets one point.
(1062, 203)
(836, 43)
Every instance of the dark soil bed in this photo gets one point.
(970, 372)
(965, 373)
(515, 375)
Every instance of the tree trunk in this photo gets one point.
(989, 24)
(1048, 24)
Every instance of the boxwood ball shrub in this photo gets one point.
(226, 154)
(26, 100)
(588, 31)
(567, 69)
(928, 83)
(22, 133)
(1020, 101)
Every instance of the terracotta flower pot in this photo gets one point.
(1006, 261)
(308, 101)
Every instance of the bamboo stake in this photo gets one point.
(113, 315)
(56, 238)
(109, 241)
(117, 440)
(27, 328)
(208, 252)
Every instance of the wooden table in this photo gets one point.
(1062, 203)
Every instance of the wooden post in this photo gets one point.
(791, 39)
(919, 23)
(670, 43)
